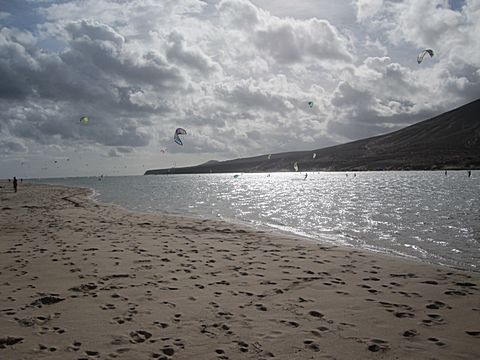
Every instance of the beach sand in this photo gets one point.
(82, 280)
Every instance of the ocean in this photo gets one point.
(425, 215)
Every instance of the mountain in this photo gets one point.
(447, 141)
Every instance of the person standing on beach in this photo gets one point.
(15, 183)
(469, 173)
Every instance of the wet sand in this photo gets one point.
(82, 280)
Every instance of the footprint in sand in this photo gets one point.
(378, 345)
(316, 314)
(310, 344)
(169, 351)
(436, 341)
(434, 319)
(243, 346)
(92, 353)
(402, 315)
(437, 305)
(220, 351)
(260, 307)
(46, 300)
(410, 333)
(160, 324)
(290, 323)
(139, 336)
(9, 341)
(107, 307)
(473, 333)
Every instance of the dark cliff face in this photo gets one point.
(450, 140)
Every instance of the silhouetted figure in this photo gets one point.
(9, 180)
(306, 175)
(469, 173)
(15, 183)
(21, 180)
(445, 172)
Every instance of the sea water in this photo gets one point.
(425, 215)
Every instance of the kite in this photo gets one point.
(176, 137)
(84, 120)
(314, 155)
(310, 104)
(295, 166)
(422, 54)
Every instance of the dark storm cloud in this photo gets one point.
(100, 47)
(89, 74)
(12, 147)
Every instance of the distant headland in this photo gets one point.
(447, 141)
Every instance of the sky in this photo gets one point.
(236, 74)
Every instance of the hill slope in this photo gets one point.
(450, 140)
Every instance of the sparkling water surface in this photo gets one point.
(421, 214)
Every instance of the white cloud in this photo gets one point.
(367, 8)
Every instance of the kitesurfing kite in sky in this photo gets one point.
(84, 120)
(422, 54)
(176, 137)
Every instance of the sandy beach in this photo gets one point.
(83, 280)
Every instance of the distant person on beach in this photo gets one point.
(469, 173)
(306, 175)
(15, 183)
(445, 172)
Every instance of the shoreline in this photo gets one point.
(88, 279)
(93, 196)
(318, 239)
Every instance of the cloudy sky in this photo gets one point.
(236, 74)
